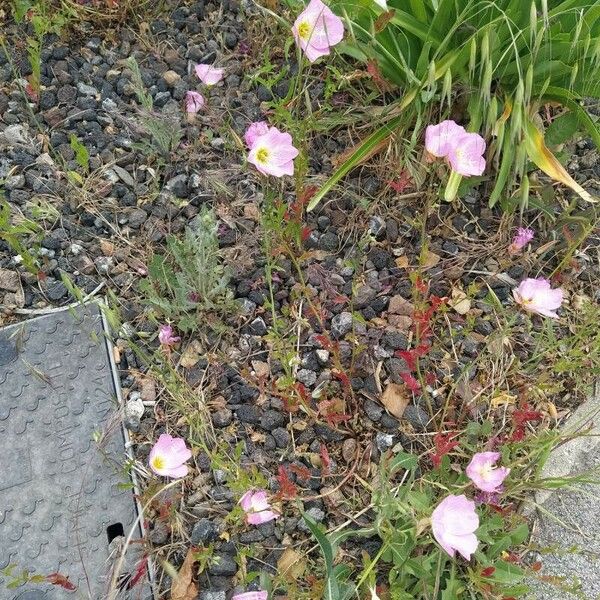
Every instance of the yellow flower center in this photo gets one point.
(485, 471)
(262, 155)
(158, 462)
(304, 30)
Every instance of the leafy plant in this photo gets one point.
(14, 233)
(44, 19)
(165, 134)
(504, 59)
(188, 284)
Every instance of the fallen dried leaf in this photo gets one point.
(107, 248)
(291, 565)
(402, 262)
(502, 399)
(395, 399)
(191, 354)
(183, 586)
(430, 259)
(460, 302)
(260, 368)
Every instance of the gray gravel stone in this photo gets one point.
(204, 531)
(212, 596)
(341, 324)
(225, 565)
(417, 417)
(306, 377)
(258, 326)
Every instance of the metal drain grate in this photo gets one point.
(61, 455)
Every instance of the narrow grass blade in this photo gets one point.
(363, 151)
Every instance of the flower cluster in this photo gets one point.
(455, 521)
(208, 75)
(463, 151)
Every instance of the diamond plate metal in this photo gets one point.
(59, 489)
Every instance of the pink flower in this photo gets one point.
(454, 522)
(208, 74)
(193, 101)
(536, 296)
(168, 455)
(483, 472)
(440, 138)
(251, 596)
(317, 29)
(254, 131)
(257, 507)
(521, 239)
(466, 154)
(273, 153)
(166, 336)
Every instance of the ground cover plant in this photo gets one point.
(345, 356)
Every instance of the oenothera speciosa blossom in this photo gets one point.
(463, 150)
(454, 522)
(208, 74)
(260, 595)
(317, 29)
(168, 456)
(255, 504)
(482, 471)
(166, 336)
(537, 296)
(272, 152)
(194, 101)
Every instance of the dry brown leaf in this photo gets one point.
(183, 586)
(261, 369)
(402, 262)
(395, 399)
(251, 211)
(460, 302)
(108, 248)
(191, 354)
(291, 565)
(431, 259)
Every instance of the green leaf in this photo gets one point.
(332, 590)
(507, 573)
(520, 534)
(569, 100)
(403, 460)
(82, 156)
(562, 129)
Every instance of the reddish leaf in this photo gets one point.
(411, 383)
(375, 73)
(382, 20)
(139, 572)
(301, 472)
(287, 488)
(403, 182)
(342, 378)
(443, 445)
(488, 571)
(61, 580)
(324, 341)
(325, 459)
(305, 233)
(536, 566)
